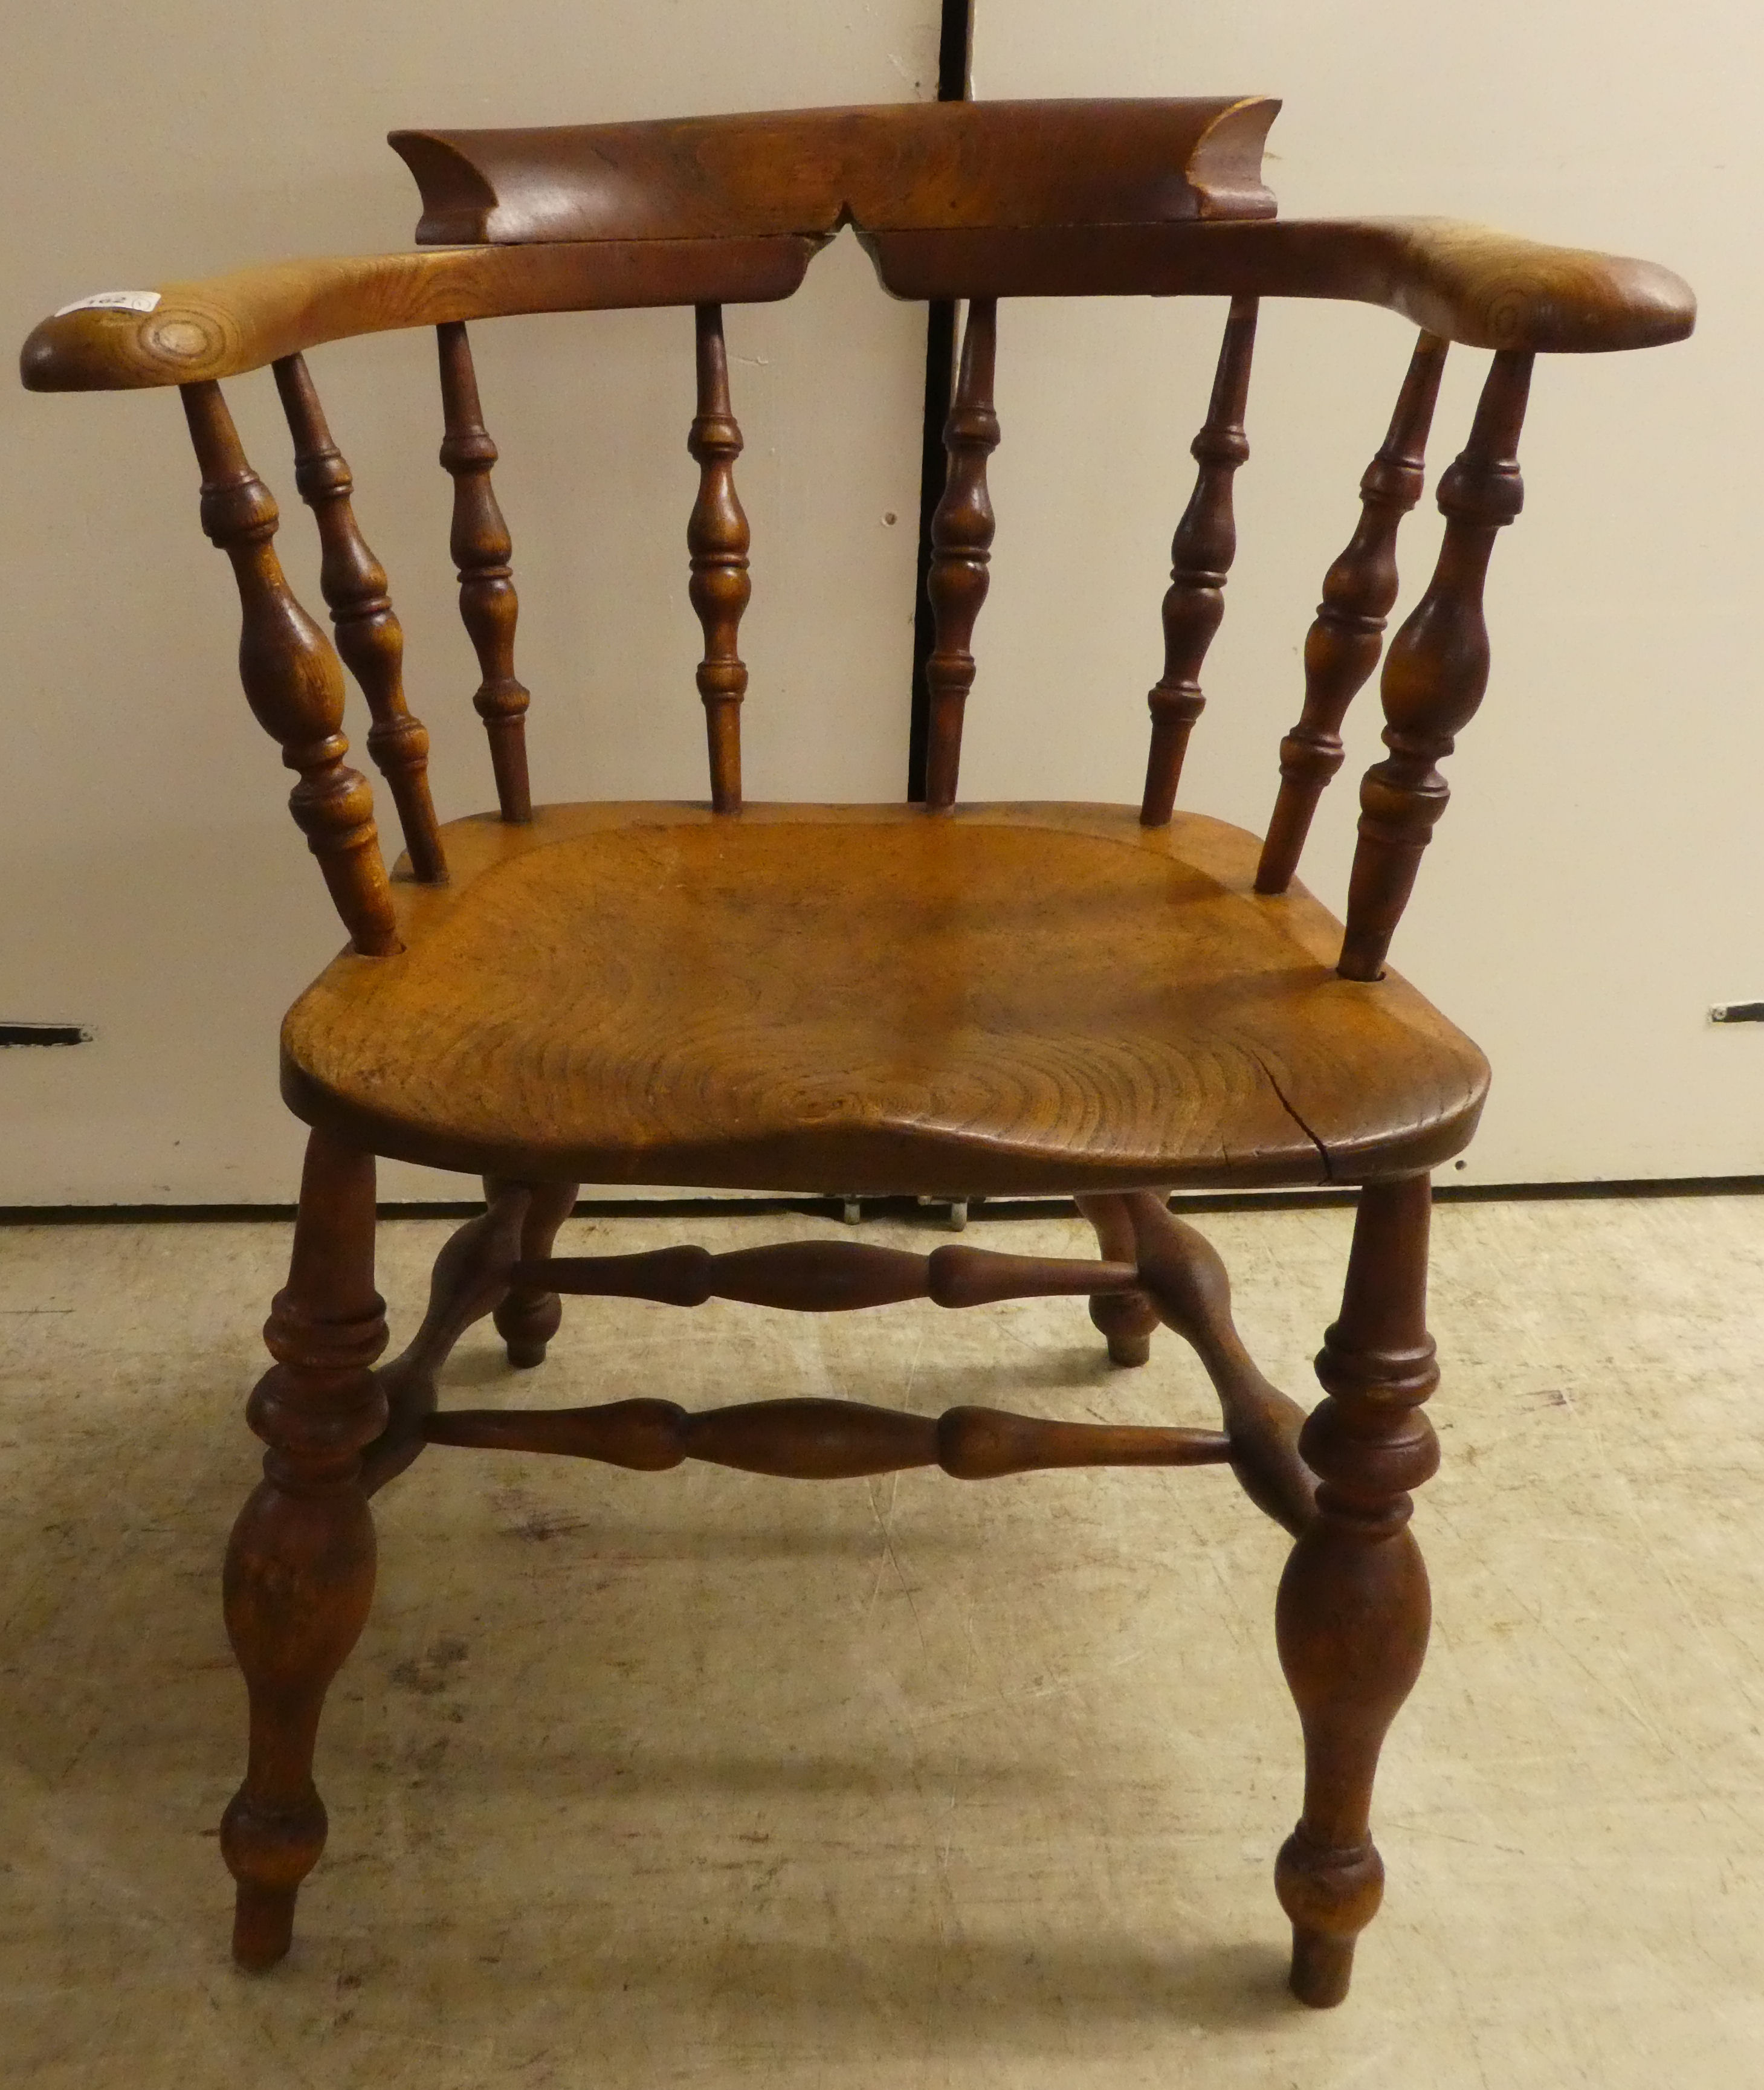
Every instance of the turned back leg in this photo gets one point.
(526, 1319)
(1353, 1611)
(1125, 1318)
(300, 1566)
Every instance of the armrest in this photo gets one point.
(1461, 282)
(1487, 289)
(1465, 282)
(240, 321)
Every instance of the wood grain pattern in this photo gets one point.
(961, 541)
(876, 996)
(822, 1440)
(253, 317)
(1201, 553)
(300, 1564)
(292, 680)
(1352, 1614)
(944, 1000)
(718, 537)
(805, 171)
(1465, 282)
(1436, 673)
(481, 548)
(369, 636)
(1343, 645)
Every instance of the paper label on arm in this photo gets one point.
(112, 301)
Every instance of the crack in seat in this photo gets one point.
(1029, 998)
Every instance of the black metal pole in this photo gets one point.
(955, 50)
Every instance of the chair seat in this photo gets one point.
(1037, 999)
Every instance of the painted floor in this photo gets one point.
(697, 1778)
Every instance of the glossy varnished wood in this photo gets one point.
(292, 679)
(1464, 282)
(717, 539)
(530, 1314)
(481, 548)
(472, 1275)
(1353, 1611)
(1039, 999)
(822, 1440)
(1126, 1320)
(1436, 673)
(828, 1277)
(1183, 1275)
(369, 636)
(253, 317)
(1201, 553)
(804, 170)
(944, 999)
(301, 1565)
(1343, 645)
(961, 551)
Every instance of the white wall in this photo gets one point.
(155, 887)
(1597, 880)
(1592, 886)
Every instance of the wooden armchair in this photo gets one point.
(1106, 1001)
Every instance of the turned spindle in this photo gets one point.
(1343, 645)
(369, 636)
(1201, 553)
(1352, 1617)
(822, 1440)
(481, 548)
(718, 537)
(292, 679)
(960, 544)
(1435, 673)
(824, 1277)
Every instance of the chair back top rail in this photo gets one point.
(1462, 282)
(916, 164)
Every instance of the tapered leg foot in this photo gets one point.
(1128, 1346)
(1323, 1966)
(300, 1564)
(262, 1922)
(1352, 1614)
(527, 1319)
(1126, 1320)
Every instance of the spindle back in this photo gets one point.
(978, 202)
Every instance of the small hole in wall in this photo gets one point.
(1460, 1165)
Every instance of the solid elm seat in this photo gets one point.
(1099, 1000)
(1038, 999)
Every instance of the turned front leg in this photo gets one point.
(527, 1317)
(300, 1567)
(1352, 1613)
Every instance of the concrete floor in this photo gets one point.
(696, 1779)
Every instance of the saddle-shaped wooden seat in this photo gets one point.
(937, 998)
(1041, 998)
